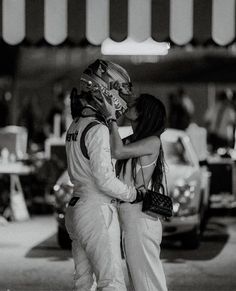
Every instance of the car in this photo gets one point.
(188, 186)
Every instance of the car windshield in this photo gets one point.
(175, 153)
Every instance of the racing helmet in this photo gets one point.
(112, 78)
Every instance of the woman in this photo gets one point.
(142, 233)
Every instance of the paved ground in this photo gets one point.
(30, 259)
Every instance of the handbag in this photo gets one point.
(157, 204)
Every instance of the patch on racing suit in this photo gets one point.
(73, 201)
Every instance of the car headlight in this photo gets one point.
(182, 196)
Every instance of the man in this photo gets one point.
(220, 121)
(91, 217)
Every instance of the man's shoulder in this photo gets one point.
(94, 127)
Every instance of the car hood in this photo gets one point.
(180, 172)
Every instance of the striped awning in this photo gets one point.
(59, 21)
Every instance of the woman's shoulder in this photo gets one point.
(153, 142)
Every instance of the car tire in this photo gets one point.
(63, 239)
(204, 215)
(191, 240)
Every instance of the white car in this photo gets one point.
(188, 186)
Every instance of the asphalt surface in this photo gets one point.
(30, 259)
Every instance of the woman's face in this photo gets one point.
(132, 114)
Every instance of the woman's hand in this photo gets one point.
(107, 109)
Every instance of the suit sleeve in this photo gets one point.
(97, 142)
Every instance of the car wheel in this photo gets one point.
(191, 240)
(63, 239)
(203, 212)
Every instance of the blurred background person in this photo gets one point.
(56, 122)
(4, 109)
(181, 116)
(234, 127)
(27, 118)
(31, 117)
(181, 108)
(220, 121)
(197, 135)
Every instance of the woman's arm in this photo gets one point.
(98, 146)
(143, 147)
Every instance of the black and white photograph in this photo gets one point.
(117, 145)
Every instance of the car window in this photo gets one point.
(175, 153)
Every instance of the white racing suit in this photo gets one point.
(92, 220)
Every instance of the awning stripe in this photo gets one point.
(178, 21)
(118, 20)
(34, 21)
(76, 20)
(223, 22)
(55, 25)
(97, 21)
(160, 20)
(202, 21)
(1, 19)
(13, 21)
(139, 25)
(181, 24)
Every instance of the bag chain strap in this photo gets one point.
(167, 192)
(164, 172)
(143, 175)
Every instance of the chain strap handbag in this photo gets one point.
(157, 204)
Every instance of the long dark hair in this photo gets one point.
(151, 121)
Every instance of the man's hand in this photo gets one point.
(107, 109)
(141, 192)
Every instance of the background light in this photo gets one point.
(132, 47)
